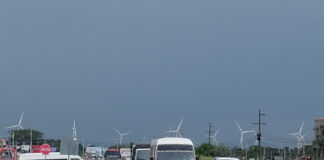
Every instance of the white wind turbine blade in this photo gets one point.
(302, 138)
(170, 130)
(301, 128)
(238, 126)
(20, 120)
(216, 132)
(214, 137)
(14, 126)
(117, 131)
(180, 124)
(292, 134)
(124, 134)
(248, 131)
(216, 141)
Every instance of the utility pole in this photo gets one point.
(259, 132)
(31, 141)
(209, 132)
(289, 153)
(83, 148)
(284, 154)
(13, 138)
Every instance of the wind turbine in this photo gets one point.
(177, 132)
(299, 136)
(121, 135)
(115, 140)
(74, 132)
(18, 126)
(215, 141)
(242, 134)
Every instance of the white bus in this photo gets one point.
(51, 156)
(172, 149)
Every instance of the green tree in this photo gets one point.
(213, 151)
(238, 152)
(223, 151)
(206, 150)
(54, 143)
(23, 136)
(319, 143)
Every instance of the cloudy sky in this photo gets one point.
(141, 65)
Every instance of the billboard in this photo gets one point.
(125, 152)
(69, 146)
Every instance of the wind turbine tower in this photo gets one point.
(242, 134)
(74, 132)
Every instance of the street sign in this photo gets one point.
(45, 149)
(53, 149)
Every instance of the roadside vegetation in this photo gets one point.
(319, 144)
(208, 151)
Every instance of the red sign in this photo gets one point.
(45, 149)
(36, 149)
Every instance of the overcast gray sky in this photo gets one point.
(141, 65)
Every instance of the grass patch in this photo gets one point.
(205, 158)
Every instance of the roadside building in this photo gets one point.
(319, 127)
(319, 131)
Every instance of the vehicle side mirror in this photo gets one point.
(151, 158)
(197, 158)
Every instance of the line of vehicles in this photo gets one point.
(169, 148)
